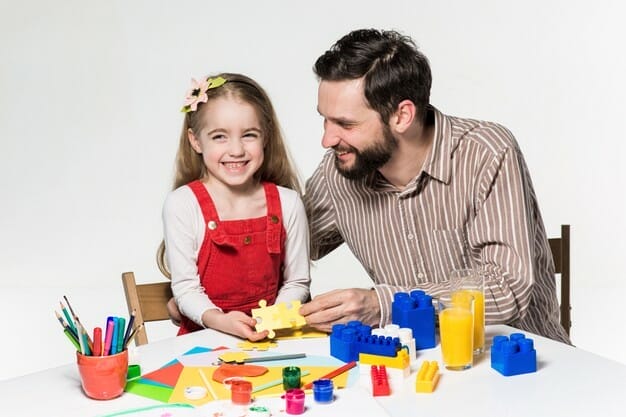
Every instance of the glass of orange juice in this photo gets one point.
(456, 330)
(470, 282)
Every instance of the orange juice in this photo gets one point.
(479, 315)
(457, 332)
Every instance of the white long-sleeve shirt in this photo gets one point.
(184, 228)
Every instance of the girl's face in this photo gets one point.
(231, 142)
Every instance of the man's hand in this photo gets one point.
(342, 306)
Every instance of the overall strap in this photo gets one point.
(274, 217)
(204, 199)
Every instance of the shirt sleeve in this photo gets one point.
(499, 240)
(325, 236)
(296, 274)
(502, 233)
(183, 230)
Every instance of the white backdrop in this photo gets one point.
(90, 93)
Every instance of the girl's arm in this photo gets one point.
(183, 230)
(297, 278)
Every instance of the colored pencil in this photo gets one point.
(71, 337)
(129, 328)
(68, 318)
(77, 320)
(332, 374)
(274, 358)
(133, 333)
(65, 325)
(83, 335)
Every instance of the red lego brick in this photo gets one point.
(380, 383)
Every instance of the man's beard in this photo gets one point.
(369, 159)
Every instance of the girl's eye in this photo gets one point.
(219, 137)
(250, 136)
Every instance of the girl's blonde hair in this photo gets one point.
(277, 166)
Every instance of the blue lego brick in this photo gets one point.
(513, 355)
(343, 340)
(416, 312)
(378, 345)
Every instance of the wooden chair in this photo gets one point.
(560, 254)
(148, 300)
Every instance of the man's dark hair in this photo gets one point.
(390, 63)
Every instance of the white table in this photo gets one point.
(568, 380)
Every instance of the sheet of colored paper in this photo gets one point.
(191, 377)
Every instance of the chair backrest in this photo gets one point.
(148, 300)
(560, 254)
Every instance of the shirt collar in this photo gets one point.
(438, 163)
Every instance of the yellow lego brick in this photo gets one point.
(400, 361)
(427, 377)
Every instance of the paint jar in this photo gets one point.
(241, 392)
(294, 401)
(323, 391)
(103, 377)
(291, 377)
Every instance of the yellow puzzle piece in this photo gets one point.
(278, 316)
(248, 345)
(233, 357)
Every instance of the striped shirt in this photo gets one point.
(471, 205)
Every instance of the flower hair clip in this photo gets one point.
(197, 93)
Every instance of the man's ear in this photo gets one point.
(193, 141)
(403, 117)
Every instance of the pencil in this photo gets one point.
(132, 334)
(274, 358)
(69, 336)
(131, 322)
(65, 325)
(68, 318)
(89, 341)
(207, 383)
(332, 374)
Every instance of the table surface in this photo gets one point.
(567, 379)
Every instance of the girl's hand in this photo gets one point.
(235, 323)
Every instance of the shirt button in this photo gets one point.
(212, 225)
(247, 240)
(420, 275)
(410, 236)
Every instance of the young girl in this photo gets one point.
(234, 225)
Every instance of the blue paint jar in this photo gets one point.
(323, 391)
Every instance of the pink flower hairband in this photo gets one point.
(197, 93)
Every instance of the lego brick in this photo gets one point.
(378, 345)
(513, 355)
(343, 340)
(427, 377)
(415, 310)
(400, 361)
(380, 383)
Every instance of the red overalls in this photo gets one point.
(240, 261)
